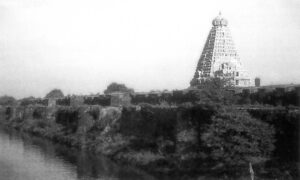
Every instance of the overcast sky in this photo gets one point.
(80, 46)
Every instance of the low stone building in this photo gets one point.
(120, 99)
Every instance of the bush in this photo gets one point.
(287, 125)
(107, 119)
(277, 97)
(27, 101)
(68, 117)
(94, 111)
(7, 101)
(196, 116)
(39, 112)
(102, 100)
(66, 101)
(176, 97)
(8, 112)
(149, 124)
(235, 138)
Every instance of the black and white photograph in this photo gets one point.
(149, 89)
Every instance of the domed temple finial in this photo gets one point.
(220, 20)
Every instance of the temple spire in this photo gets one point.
(219, 57)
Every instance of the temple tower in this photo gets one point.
(219, 57)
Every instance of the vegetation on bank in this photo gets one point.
(200, 139)
(209, 135)
(165, 134)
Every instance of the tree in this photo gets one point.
(27, 100)
(235, 138)
(215, 90)
(115, 87)
(55, 93)
(7, 100)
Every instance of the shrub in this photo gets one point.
(8, 112)
(7, 100)
(38, 112)
(276, 97)
(235, 138)
(102, 100)
(68, 117)
(107, 119)
(27, 101)
(287, 125)
(176, 97)
(66, 101)
(197, 116)
(94, 111)
(150, 123)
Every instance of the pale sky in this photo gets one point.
(80, 46)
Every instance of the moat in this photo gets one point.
(26, 157)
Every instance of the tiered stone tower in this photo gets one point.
(219, 57)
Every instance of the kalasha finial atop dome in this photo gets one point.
(220, 21)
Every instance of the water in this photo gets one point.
(26, 157)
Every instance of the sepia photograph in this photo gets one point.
(149, 89)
